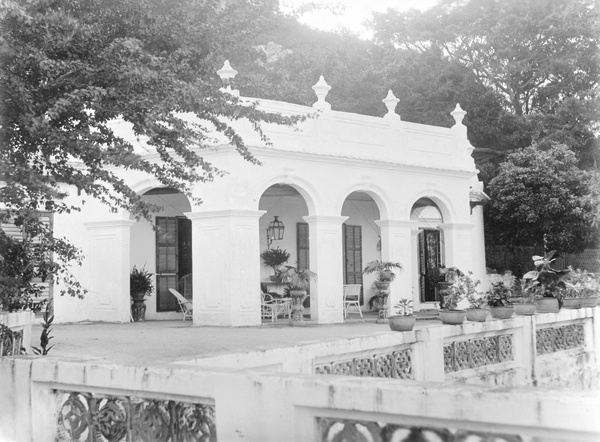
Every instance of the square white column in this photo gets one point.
(326, 260)
(226, 267)
(397, 246)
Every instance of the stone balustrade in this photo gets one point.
(379, 389)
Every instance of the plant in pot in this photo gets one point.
(581, 289)
(475, 312)
(456, 292)
(403, 318)
(140, 285)
(384, 276)
(498, 300)
(275, 258)
(547, 283)
(299, 284)
(523, 300)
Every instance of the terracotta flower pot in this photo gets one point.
(546, 305)
(476, 314)
(592, 301)
(401, 323)
(524, 309)
(452, 317)
(502, 312)
(573, 302)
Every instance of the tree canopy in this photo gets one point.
(68, 68)
(540, 197)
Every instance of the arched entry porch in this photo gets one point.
(163, 246)
(284, 207)
(361, 243)
(430, 247)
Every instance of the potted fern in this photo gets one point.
(403, 318)
(140, 285)
(275, 258)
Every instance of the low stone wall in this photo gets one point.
(551, 349)
(46, 399)
(15, 333)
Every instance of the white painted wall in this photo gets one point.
(327, 159)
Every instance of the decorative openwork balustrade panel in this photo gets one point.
(97, 418)
(332, 429)
(472, 353)
(549, 340)
(11, 341)
(396, 364)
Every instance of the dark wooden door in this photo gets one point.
(430, 258)
(303, 246)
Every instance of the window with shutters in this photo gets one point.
(166, 263)
(47, 218)
(352, 254)
(302, 246)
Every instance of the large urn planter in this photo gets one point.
(547, 305)
(476, 314)
(524, 309)
(15, 332)
(453, 317)
(401, 323)
(138, 308)
(573, 303)
(504, 312)
(592, 301)
(297, 316)
(382, 307)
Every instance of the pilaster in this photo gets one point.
(107, 253)
(458, 240)
(226, 267)
(326, 260)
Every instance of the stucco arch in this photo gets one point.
(304, 188)
(143, 186)
(444, 204)
(377, 193)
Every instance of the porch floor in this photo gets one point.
(155, 342)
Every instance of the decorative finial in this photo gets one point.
(321, 89)
(390, 102)
(227, 73)
(458, 114)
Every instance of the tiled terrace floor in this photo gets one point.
(155, 342)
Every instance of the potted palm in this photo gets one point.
(299, 283)
(498, 300)
(384, 276)
(275, 258)
(547, 283)
(140, 285)
(403, 318)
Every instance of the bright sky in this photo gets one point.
(349, 14)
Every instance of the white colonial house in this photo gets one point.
(348, 189)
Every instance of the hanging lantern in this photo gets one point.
(275, 230)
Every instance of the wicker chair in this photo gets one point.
(352, 298)
(184, 304)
